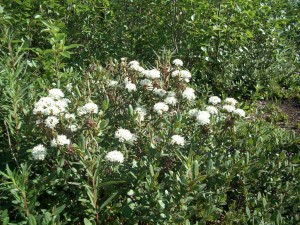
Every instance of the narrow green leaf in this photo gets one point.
(108, 200)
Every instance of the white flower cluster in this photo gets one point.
(177, 62)
(189, 94)
(88, 108)
(51, 122)
(147, 84)
(160, 107)
(203, 118)
(231, 101)
(70, 116)
(125, 135)
(60, 140)
(228, 108)
(177, 140)
(56, 93)
(160, 92)
(52, 105)
(115, 156)
(39, 152)
(212, 110)
(193, 112)
(131, 87)
(214, 100)
(182, 74)
(170, 100)
(112, 83)
(151, 74)
(239, 112)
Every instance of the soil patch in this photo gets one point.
(291, 107)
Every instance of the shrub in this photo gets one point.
(130, 145)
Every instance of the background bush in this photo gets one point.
(236, 171)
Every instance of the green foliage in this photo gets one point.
(234, 47)
(233, 170)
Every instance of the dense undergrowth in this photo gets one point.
(88, 137)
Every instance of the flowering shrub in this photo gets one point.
(136, 145)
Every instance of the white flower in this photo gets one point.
(178, 140)
(171, 94)
(212, 110)
(127, 80)
(112, 83)
(175, 73)
(161, 107)
(70, 116)
(177, 62)
(42, 105)
(134, 62)
(69, 87)
(73, 128)
(137, 68)
(229, 108)
(240, 112)
(130, 87)
(51, 121)
(189, 94)
(37, 122)
(170, 100)
(214, 100)
(160, 92)
(62, 104)
(152, 74)
(51, 110)
(39, 152)
(185, 75)
(125, 135)
(60, 140)
(193, 112)
(231, 101)
(146, 83)
(141, 111)
(50, 106)
(88, 108)
(203, 118)
(115, 156)
(56, 93)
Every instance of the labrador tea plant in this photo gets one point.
(134, 145)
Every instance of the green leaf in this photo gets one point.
(5, 221)
(130, 192)
(87, 222)
(103, 124)
(248, 212)
(72, 46)
(104, 105)
(130, 110)
(151, 170)
(65, 54)
(31, 220)
(58, 210)
(108, 200)
(111, 183)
